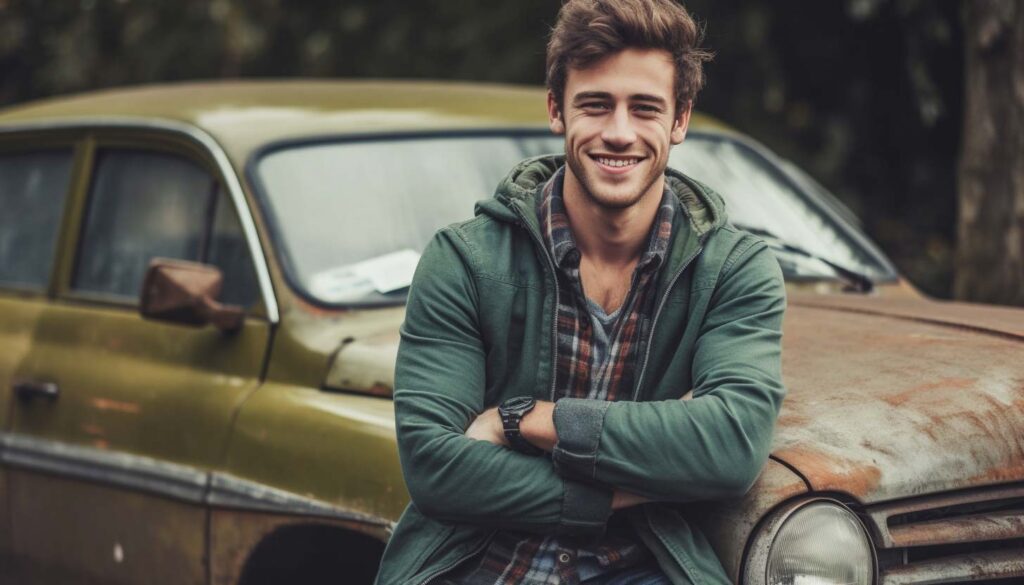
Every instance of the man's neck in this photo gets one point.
(612, 237)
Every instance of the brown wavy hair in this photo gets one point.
(589, 30)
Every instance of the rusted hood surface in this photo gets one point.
(1007, 321)
(889, 399)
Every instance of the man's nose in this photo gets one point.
(618, 130)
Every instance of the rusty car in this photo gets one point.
(201, 286)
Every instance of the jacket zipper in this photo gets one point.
(438, 572)
(657, 313)
(554, 318)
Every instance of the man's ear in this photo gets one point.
(681, 123)
(555, 121)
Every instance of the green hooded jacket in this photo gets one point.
(479, 328)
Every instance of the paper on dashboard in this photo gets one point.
(382, 274)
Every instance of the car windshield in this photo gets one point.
(350, 217)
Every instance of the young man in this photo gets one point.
(597, 345)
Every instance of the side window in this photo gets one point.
(147, 204)
(33, 187)
(229, 252)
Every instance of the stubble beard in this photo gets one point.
(590, 193)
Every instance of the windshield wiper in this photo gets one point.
(858, 282)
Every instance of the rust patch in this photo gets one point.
(977, 528)
(93, 430)
(902, 398)
(1000, 475)
(792, 419)
(828, 472)
(109, 404)
(872, 446)
(380, 389)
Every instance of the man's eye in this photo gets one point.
(647, 109)
(594, 106)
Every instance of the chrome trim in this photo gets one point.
(120, 469)
(981, 527)
(985, 566)
(881, 513)
(228, 491)
(180, 482)
(206, 141)
(755, 569)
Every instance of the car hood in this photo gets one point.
(895, 398)
(887, 398)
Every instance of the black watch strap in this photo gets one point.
(512, 412)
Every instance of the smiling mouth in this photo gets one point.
(618, 162)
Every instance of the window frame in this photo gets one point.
(24, 142)
(144, 141)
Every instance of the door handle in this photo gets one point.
(28, 390)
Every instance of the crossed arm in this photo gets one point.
(604, 455)
(537, 427)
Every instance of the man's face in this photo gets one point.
(619, 123)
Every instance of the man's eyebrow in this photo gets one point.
(603, 95)
(591, 95)
(646, 97)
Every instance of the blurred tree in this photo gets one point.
(990, 250)
(864, 94)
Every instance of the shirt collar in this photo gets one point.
(554, 223)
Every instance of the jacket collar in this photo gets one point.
(517, 194)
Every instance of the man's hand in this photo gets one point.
(487, 427)
(621, 499)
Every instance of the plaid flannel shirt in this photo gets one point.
(514, 558)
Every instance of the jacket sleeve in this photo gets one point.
(439, 390)
(710, 447)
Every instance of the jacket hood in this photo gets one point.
(702, 205)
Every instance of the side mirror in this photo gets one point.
(183, 292)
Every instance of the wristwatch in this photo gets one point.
(512, 412)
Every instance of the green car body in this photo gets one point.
(141, 451)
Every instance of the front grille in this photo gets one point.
(974, 537)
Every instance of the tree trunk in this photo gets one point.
(990, 228)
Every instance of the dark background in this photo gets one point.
(866, 95)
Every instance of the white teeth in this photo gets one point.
(613, 162)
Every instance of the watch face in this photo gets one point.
(517, 403)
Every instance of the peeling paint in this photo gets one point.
(881, 407)
(366, 365)
(109, 404)
(831, 471)
(975, 528)
(922, 389)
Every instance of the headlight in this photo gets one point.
(816, 542)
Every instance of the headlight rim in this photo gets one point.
(755, 563)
